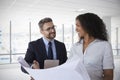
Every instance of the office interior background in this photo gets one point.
(19, 25)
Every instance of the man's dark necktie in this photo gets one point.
(50, 52)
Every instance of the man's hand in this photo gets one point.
(35, 65)
(31, 78)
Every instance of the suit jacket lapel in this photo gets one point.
(42, 49)
(57, 50)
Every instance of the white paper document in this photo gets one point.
(73, 70)
(23, 62)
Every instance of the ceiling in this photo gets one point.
(65, 8)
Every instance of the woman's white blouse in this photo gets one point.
(97, 57)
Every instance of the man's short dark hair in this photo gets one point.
(43, 21)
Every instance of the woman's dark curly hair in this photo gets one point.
(93, 25)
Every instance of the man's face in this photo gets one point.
(48, 30)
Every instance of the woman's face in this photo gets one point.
(79, 29)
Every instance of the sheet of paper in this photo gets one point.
(23, 62)
(82, 71)
(67, 71)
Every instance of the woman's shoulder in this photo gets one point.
(103, 42)
(76, 44)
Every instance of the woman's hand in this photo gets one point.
(108, 74)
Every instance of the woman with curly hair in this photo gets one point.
(93, 47)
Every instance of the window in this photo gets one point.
(20, 36)
(16, 34)
(4, 42)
